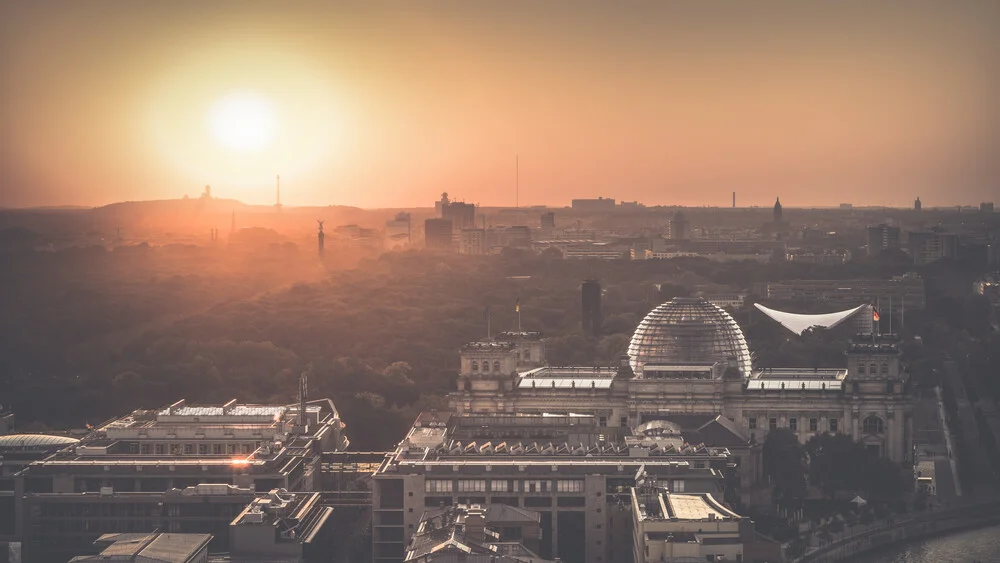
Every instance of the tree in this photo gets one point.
(784, 464)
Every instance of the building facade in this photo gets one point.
(689, 357)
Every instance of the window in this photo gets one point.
(752, 423)
(133, 448)
(527, 355)
(160, 449)
(175, 449)
(885, 369)
(475, 365)
(217, 449)
(872, 369)
(872, 425)
(793, 424)
(773, 423)
(861, 369)
(569, 486)
(603, 421)
(833, 424)
(623, 421)
(496, 366)
(890, 388)
(437, 486)
(188, 449)
(498, 486)
(472, 485)
(813, 424)
(230, 448)
(144, 449)
(536, 486)
(677, 486)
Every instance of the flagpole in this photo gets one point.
(489, 333)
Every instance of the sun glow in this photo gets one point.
(243, 121)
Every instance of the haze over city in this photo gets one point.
(386, 106)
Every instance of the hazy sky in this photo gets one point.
(381, 104)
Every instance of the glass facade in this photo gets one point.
(685, 330)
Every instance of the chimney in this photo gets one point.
(475, 525)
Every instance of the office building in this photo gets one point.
(882, 238)
(149, 548)
(599, 204)
(398, 233)
(689, 364)
(678, 227)
(917, 206)
(283, 526)
(569, 468)
(548, 220)
(462, 215)
(893, 296)
(929, 246)
(986, 207)
(438, 234)
(472, 241)
(673, 527)
(142, 470)
(590, 310)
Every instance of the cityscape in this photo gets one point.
(276, 288)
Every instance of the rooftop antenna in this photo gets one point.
(277, 203)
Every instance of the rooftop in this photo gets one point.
(658, 505)
(801, 379)
(567, 378)
(296, 518)
(148, 548)
(34, 441)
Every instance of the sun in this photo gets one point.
(243, 121)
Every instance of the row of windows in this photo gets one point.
(502, 486)
(192, 449)
(793, 424)
(486, 365)
(873, 369)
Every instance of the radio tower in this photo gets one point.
(277, 202)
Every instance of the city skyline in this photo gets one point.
(387, 107)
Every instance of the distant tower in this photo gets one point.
(303, 397)
(777, 210)
(916, 205)
(734, 200)
(679, 226)
(277, 198)
(591, 307)
(319, 237)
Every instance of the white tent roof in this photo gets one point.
(799, 323)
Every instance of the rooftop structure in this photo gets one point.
(685, 330)
(569, 466)
(494, 533)
(280, 526)
(799, 323)
(149, 548)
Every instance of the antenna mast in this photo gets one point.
(277, 193)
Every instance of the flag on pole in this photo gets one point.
(517, 305)
(874, 314)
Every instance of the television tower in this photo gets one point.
(277, 202)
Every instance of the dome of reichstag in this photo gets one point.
(687, 329)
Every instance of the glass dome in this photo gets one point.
(687, 329)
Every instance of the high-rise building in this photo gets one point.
(472, 241)
(917, 205)
(462, 215)
(591, 307)
(882, 238)
(549, 220)
(986, 207)
(437, 234)
(929, 246)
(678, 227)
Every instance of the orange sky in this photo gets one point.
(389, 106)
